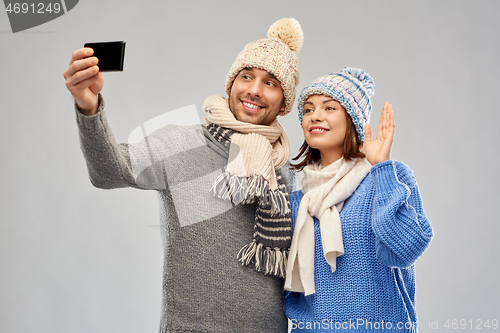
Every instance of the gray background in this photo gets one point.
(77, 259)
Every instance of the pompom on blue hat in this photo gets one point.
(352, 88)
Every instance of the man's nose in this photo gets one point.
(255, 88)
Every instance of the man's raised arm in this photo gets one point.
(110, 165)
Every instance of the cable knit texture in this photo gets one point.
(385, 231)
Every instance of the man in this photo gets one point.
(222, 187)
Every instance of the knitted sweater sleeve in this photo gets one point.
(402, 231)
(112, 165)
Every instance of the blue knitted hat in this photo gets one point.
(352, 88)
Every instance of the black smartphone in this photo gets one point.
(110, 55)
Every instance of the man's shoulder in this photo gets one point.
(288, 176)
(297, 195)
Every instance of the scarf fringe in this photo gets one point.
(247, 190)
(267, 260)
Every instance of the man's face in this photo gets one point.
(256, 97)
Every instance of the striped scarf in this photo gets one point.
(252, 175)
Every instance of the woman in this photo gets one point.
(358, 223)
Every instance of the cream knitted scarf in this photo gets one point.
(325, 190)
(256, 153)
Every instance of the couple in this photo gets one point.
(228, 214)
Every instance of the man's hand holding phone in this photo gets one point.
(84, 78)
(84, 81)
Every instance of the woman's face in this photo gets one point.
(324, 125)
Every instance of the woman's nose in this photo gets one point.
(317, 115)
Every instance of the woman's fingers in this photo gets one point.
(381, 122)
(368, 134)
(392, 123)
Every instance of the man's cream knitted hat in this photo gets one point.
(277, 55)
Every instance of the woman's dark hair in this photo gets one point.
(351, 150)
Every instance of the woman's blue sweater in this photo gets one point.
(385, 231)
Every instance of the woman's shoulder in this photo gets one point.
(295, 198)
(296, 195)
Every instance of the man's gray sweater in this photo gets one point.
(205, 288)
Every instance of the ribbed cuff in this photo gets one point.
(90, 123)
(386, 176)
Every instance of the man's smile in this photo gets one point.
(250, 106)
